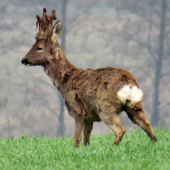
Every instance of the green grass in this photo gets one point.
(135, 152)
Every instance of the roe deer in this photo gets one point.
(89, 95)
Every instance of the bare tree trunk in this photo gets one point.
(156, 102)
(64, 30)
(61, 126)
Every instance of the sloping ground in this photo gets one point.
(135, 151)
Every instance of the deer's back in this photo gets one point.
(93, 82)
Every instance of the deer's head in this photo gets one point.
(41, 52)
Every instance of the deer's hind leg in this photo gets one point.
(88, 126)
(113, 122)
(137, 116)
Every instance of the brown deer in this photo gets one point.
(89, 95)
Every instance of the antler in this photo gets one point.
(45, 24)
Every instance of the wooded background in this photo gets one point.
(129, 34)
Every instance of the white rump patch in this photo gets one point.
(133, 94)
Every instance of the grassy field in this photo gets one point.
(135, 152)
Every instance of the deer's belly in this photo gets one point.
(92, 117)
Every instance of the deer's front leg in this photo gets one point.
(74, 103)
(77, 133)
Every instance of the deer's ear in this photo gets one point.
(56, 32)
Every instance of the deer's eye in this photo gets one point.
(39, 49)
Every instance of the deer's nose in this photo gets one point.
(24, 61)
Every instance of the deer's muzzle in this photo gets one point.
(25, 62)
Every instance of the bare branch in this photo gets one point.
(77, 16)
(149, 36)
(166, 74)
(166, 104)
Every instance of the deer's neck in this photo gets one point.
(60, 70)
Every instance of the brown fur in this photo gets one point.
(90, 95)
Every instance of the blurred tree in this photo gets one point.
(61, 125)
(64, 30)
(158, 71)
